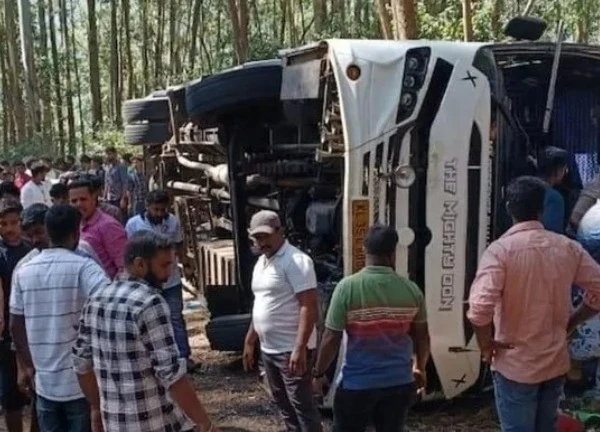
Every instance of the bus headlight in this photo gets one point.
(407, 100)
(410, 81)
(415, 70)
(404, 176)
(413, 64)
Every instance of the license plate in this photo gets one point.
(360, 226)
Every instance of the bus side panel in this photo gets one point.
(467, 97)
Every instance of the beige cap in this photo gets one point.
(264, 222)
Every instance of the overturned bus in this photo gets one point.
(341, 134)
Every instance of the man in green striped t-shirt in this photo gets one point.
(382, 314)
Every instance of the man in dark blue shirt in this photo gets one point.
(552, 168)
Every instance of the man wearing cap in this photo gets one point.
(283, 321)
(36, 190)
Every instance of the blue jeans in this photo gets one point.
(528, 407)
(72, 416)
(174, 298)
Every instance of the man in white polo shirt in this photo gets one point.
(283, 321)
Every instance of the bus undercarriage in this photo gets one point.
(420, 135)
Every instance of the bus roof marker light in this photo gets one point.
(353, 72)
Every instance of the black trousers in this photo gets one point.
(11, 397)
(386, 408)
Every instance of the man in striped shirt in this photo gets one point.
(47, 296)
(383, 315)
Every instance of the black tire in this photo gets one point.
(244, 86)
(148, 109)
(227, 333)
(147, 133)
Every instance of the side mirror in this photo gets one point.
(525, 28)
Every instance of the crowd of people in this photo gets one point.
(121, 181)
(93, 332)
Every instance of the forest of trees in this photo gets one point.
(67, 65)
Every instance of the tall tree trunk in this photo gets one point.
(94, 65)
(405, 19)
(114, 65)
(357, 10)
(218, 41)
(238, 10)
(338, 9)
(207, 55)
(275, 26)
(291, 19)
(46, 77)
(145, 42)
(195, 25)
(29, 66)
(172, 41)
(7, 133)
(320, 12)
(158, 52)
(284, 15)
(77, 78)
(467, 20)
(56, 79)
(529, 7)
(257, 20)
(497, 9)
(72, 146)
(385, 19)
(131, 89)
(17, 106)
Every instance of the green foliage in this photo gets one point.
(440, 23)
(96, 144)
(23, 149)
(107, 137)
(439, 19)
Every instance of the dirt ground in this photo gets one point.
(238, 403)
